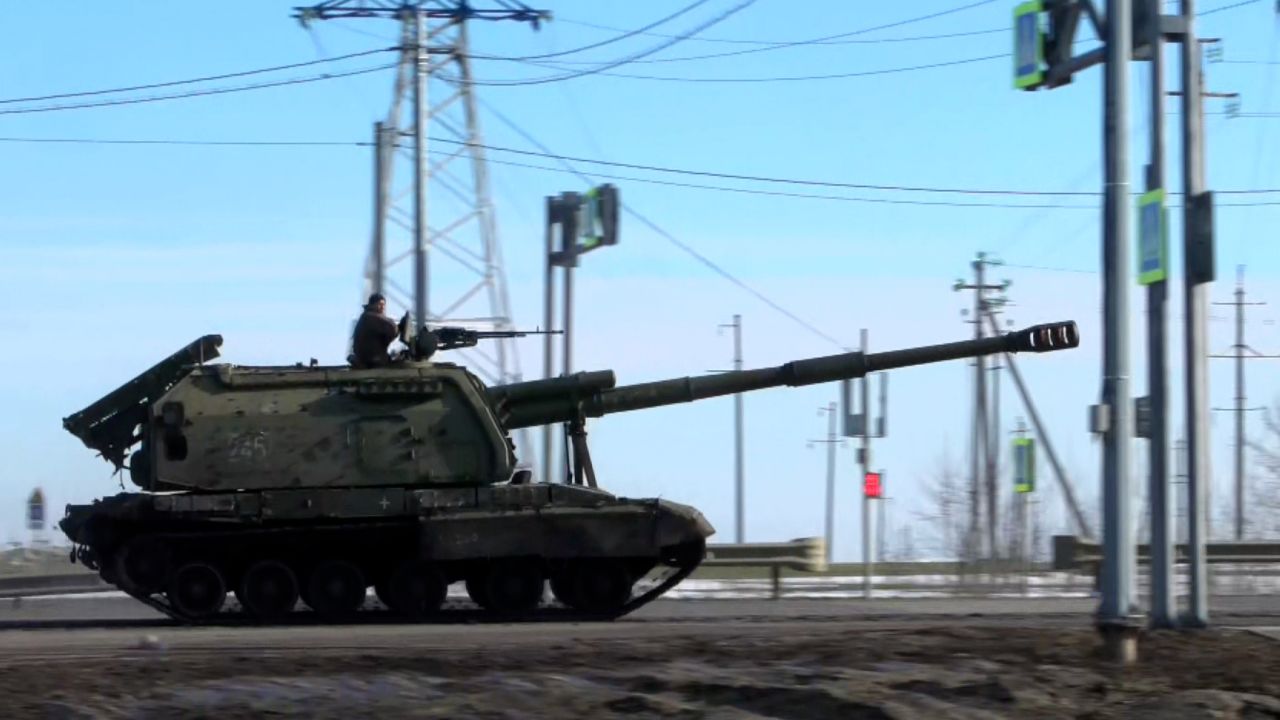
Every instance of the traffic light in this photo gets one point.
(871, 485)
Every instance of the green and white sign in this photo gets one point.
(1153, 238)
(1024, 465)
(1028, 45)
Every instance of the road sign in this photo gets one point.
(871, 485)
(1024, 465)
(598, 218)
(1028, 45)
(1153, 238)
(35, 510)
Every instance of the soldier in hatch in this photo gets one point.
(373, 334)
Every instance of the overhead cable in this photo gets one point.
(196, 93)
(190, 81)
(669, 237)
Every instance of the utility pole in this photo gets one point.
(739, 478)
(994, 307)
(859, 425)
(586, 221)
(1154, 272)
(434, 46)
(1180, 485)
(1073, 506)
(1024, 484)
(1238, 354)
(981, 444)
(831, 442)
(1198, 252)
(881, 526)
(1115, 616)
(1044, 60)
(864, 457)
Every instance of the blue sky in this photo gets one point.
(116, 255)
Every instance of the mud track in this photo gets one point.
(788, 670)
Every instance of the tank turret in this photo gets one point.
(313, 483)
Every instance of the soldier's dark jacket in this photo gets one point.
(373, 333)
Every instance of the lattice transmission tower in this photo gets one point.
(454, 236)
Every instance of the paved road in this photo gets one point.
(87, 626)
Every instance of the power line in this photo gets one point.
(207, 78)
(1049, 268)
(823, 39)
(610, 41)
(1226, 7)
(530, 166)
(774, 42)
(244, 143)
(827, 183)
(788, 78)
(593, 71)
(678, 171)
(786, 181)
(872, 41)
(198, 93)
(668, 236)
(809, 196)
(750, 41)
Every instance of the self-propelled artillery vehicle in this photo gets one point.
(313, 482)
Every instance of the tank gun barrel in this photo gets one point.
(536, 404)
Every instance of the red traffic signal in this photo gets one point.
(871, 485)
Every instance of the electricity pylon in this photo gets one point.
(470, 288)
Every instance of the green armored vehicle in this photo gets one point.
(307, 482)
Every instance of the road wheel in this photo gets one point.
(562, 587)
(143, 564)
(382, 591)
(336, 588)
(513, 586)
(416, 589)
(477, 590)
(601, 586)
(269, 589)
(197, 589)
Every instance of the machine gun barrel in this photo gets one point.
(536, 404)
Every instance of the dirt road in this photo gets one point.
(721, 666)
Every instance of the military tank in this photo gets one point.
(306, 482)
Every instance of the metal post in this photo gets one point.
(548, 310)
(420, 177)
(1196, 405)
(739, 472)
(1114, 614)
(881, 502)
(993, 459)
(1163, 598)
(567, 361)
(1082, 525)
(831, 479)
(866, 467)
(1240, 403)
(979, 410)
(379, 207)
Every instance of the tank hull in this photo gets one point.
(284, 553)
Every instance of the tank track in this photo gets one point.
(665, 575)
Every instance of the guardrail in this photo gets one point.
(1073, 553)
(803, 554)
(64, 583)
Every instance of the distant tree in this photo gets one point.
(1263, 518)
(947, 503)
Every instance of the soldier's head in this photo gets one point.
(377, 303)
